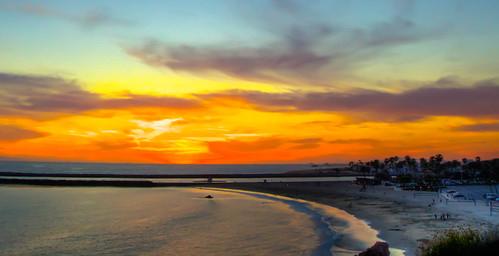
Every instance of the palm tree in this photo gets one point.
(376, 164)
(423, 163)
(464, 161)
(351, 164)
(436, 163)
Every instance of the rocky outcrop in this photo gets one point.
(378, 249)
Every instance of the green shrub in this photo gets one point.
(382, 175)
(404, 178)
(463, 242)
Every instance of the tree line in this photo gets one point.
(436, 166)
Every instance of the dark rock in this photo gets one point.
(378, 249)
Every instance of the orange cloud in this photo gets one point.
(240, 127)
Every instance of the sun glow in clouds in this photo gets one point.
(250, 82)
(152, 129)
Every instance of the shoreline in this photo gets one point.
(336, 239)
(403, 219)
(324, 231)
(404, 223)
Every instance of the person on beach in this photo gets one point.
(364, 187)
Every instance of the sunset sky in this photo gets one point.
(214, 81)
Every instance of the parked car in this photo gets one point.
(449, 194)
(490, 196)
(449, 182)
(458, 197)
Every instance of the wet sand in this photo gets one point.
(404, 220)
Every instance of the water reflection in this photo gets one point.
(159, 221)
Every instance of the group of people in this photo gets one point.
(443, 216)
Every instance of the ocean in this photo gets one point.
(171, 221)
(122, 168)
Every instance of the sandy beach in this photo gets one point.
(404, 219)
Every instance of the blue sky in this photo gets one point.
(458, 37)
(231, 77)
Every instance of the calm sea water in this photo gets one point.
(60, 167)
(171, 221)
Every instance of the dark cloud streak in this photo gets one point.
(89, 19)
(14, 133)
(31, 94)
(482, 127)
(477, 100)
(304, 51)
